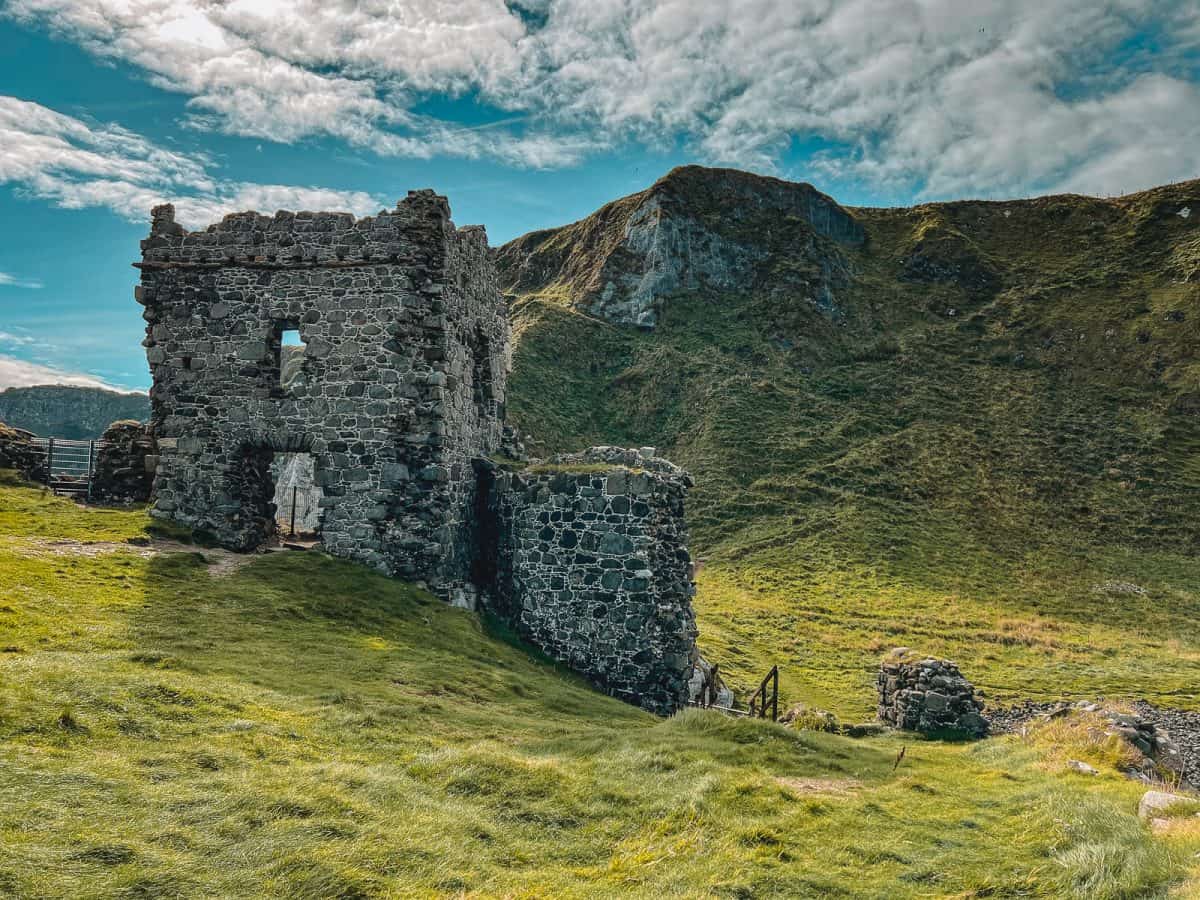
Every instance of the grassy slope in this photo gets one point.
(305, 728)
(960, 471)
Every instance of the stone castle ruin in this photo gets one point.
(373, 353)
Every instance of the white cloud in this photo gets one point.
(21, 373)
(7, 280)
(938, 96)
(76, 165)
(250, 67)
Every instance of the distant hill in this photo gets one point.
(939, 425)
(69, 412)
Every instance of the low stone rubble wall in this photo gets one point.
(928, 695)
(126, 457)
(17, 451)
(592, 567)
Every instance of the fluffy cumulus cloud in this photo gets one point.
(75, 164)
(939, 97)
(22, 373)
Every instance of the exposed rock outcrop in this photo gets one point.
(1167, 741)
(696, 229)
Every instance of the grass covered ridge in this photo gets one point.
(302, 727)
(992, 453)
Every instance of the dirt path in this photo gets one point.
(221, 562)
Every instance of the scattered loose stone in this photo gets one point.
(1168, 740)
(1081, 767)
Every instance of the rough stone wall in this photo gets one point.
(592, 567)
(17, 451)
(401, 384)
(927, 695)
(126, 458)
(398, 395)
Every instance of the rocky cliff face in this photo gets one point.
(695, 230)
(69, 412)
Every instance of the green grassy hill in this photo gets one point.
(967, 428)
(986, 445)
(297, 726)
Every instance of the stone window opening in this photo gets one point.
(287, 351)
(481, 372)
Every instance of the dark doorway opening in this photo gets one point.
(269, 486)
(297, 497)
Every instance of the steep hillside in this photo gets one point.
(69, 412)
(971, 427)
(184, 724)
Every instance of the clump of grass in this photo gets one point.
(577, 468)
(808, 718)
(66, 721)
(1087, 737)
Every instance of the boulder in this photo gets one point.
(1154, 804)
(705, 687)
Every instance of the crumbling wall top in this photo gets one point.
(642, 459)
(417, 229)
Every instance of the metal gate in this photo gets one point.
(70, 465)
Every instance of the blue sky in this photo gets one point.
(534, 113)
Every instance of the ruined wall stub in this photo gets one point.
(401, 385)
(592, 567)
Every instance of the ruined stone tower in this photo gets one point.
(401, 382)
(395, 389)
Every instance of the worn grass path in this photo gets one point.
(301, 727)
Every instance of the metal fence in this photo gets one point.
(70, 465)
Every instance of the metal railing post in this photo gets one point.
(50, 462)
(91, 467)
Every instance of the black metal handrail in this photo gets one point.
(760, 700)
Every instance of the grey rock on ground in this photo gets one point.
(1154, 803)
(720, 695)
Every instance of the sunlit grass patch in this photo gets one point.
(305, 727)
